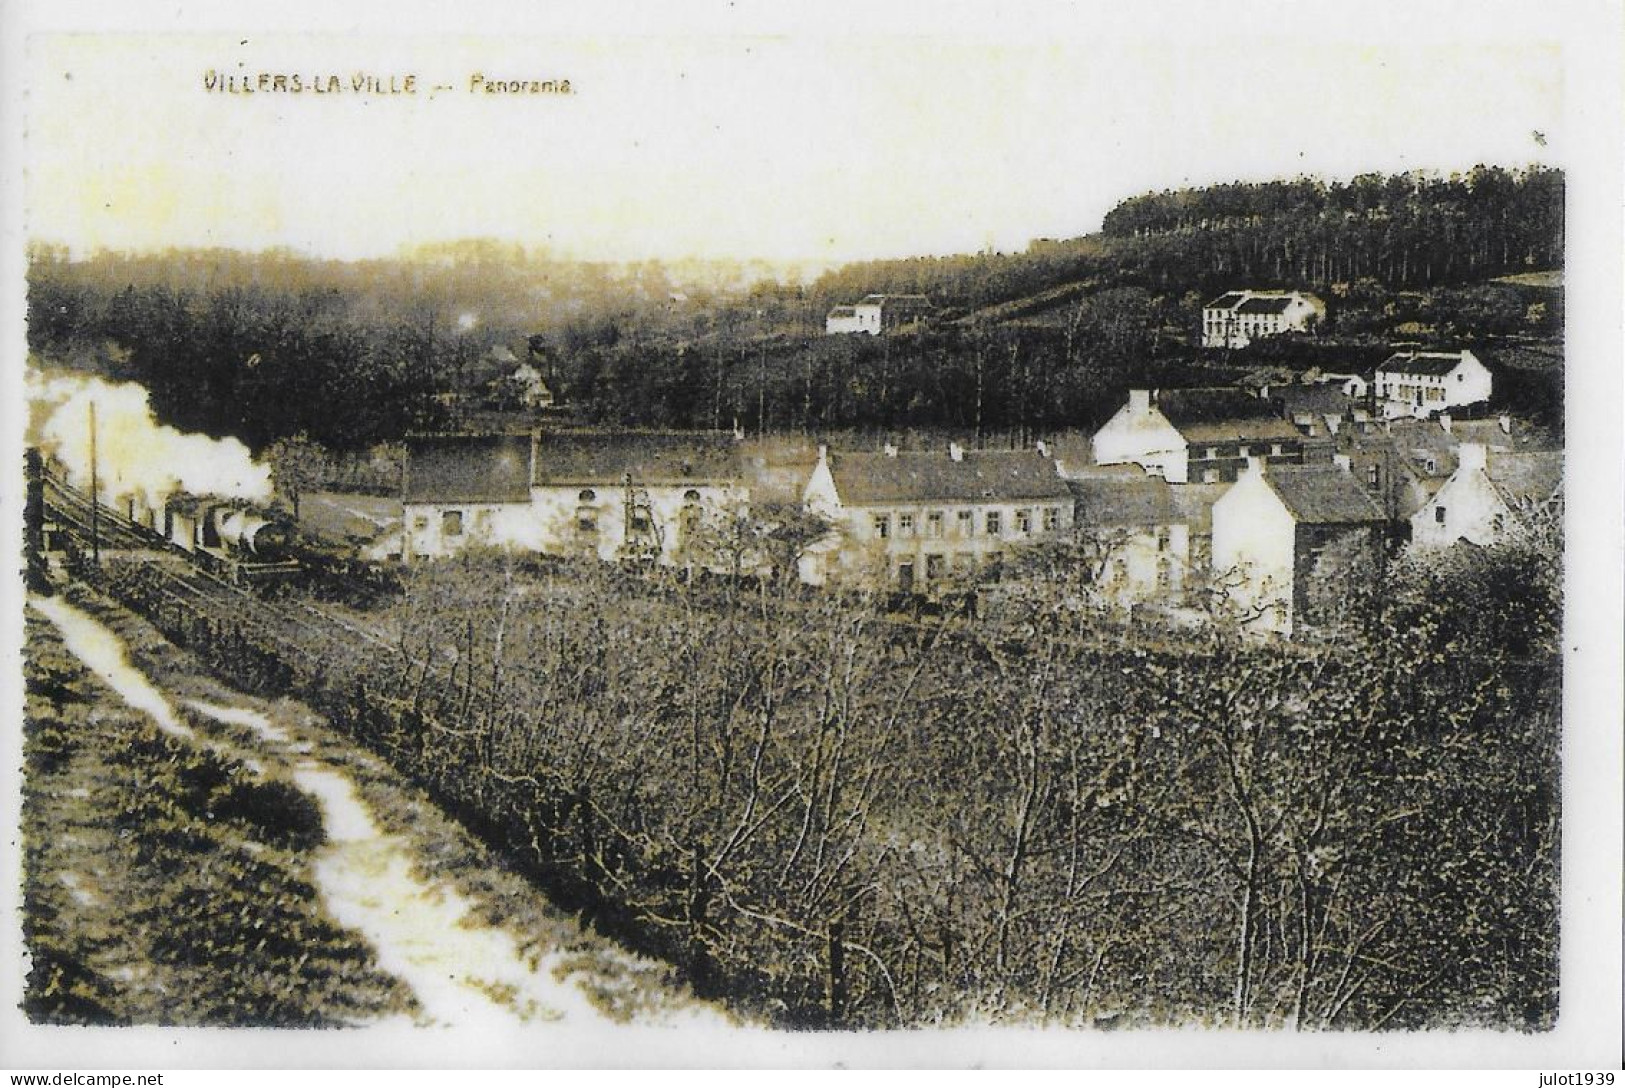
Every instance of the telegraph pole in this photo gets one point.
(95, 495)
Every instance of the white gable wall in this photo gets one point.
(1139, 434)
(1254, 539)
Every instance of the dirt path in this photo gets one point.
(412, 889)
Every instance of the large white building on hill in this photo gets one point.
(1237, 318)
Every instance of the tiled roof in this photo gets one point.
(1223, 415)
(863, 479)
(1321, 398)
(1274, 304)
(1322, 495)
(1194, 502)
(1434, 364)
(467, 468)
(656, 457)
(1525, 477)
(1225, 301)
(1119, 500)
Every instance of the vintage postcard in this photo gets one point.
(884, 537)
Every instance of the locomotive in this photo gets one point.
(230, 537)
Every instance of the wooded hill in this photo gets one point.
(265, 346)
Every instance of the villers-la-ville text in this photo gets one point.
(365, 83)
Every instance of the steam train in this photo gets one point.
(241, 541)
(228, 537)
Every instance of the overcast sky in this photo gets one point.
(829, 139)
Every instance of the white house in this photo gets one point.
(920, 521)
(1237, 318)
(1137, 533)
(636, 495)
(1288, 539)
(1489, 498)
(876, 314)
(1424, 383)
(1195, 435)
(628, 495)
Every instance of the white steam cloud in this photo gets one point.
(136, 455)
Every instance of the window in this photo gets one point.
(1212, 453)
(451, 523)
(1163, 538)
(905, 524)
(967, 523)
(1275, 449)
(1024, 521)
(1243, 451)
(1438, 515)
(1052, 519)
(933, 523)
(882, 526)
(995, 524)
(935, 567)
(586, 520)
(420, 524)
(1165, 574)
(587, 495)
(1210, 476)
(1373, 476)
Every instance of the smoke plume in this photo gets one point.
(136, 455)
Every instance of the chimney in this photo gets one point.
(823, 454)
(1470, 457)
(1043, 450)
(956, 451)
(890, 450)
(1255, 467)
(1445, 421)
(1139, 401)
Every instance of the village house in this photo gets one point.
(634, 495)
(923, 521)
(1290, 541)
(1196, 435)
(877, 314)
(529, 388)
(1403, 462)
(1425, 383)
(1136, 534)
(1491, 496)
(1237, 318)
(460, 491)
(619, 496)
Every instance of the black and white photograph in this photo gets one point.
(1055, 537)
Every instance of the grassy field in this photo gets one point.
(165, 882)
(328, 976)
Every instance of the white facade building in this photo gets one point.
(920, 522)
(619, 496)
(1425, 383)
(1237, 318)
(876, 314)
(1283, 535)
(1489, 497)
